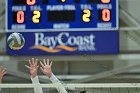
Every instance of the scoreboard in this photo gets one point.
(62, 15)
(56, 27)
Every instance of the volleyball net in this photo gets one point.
(73, 88)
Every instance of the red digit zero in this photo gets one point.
(106, 15)
(20, 16)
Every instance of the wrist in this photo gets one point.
(33, 75)
(49, 75)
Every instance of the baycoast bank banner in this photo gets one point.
(60, 43)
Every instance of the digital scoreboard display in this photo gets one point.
(62, 15)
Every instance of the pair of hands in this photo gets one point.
(45, 67)
(33, 67)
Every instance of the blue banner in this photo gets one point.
(60, 43)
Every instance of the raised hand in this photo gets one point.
(33, 67)
(46, 67)
(2, 73)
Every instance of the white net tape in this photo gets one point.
(73, 88)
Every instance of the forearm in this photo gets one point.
(35, 80)
(54, 80)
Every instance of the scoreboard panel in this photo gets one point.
(62, 15)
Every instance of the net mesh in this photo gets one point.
(73, 88)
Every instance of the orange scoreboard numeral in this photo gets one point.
(30, 2)
(106, 15)
(105, 1)
(20, 16)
